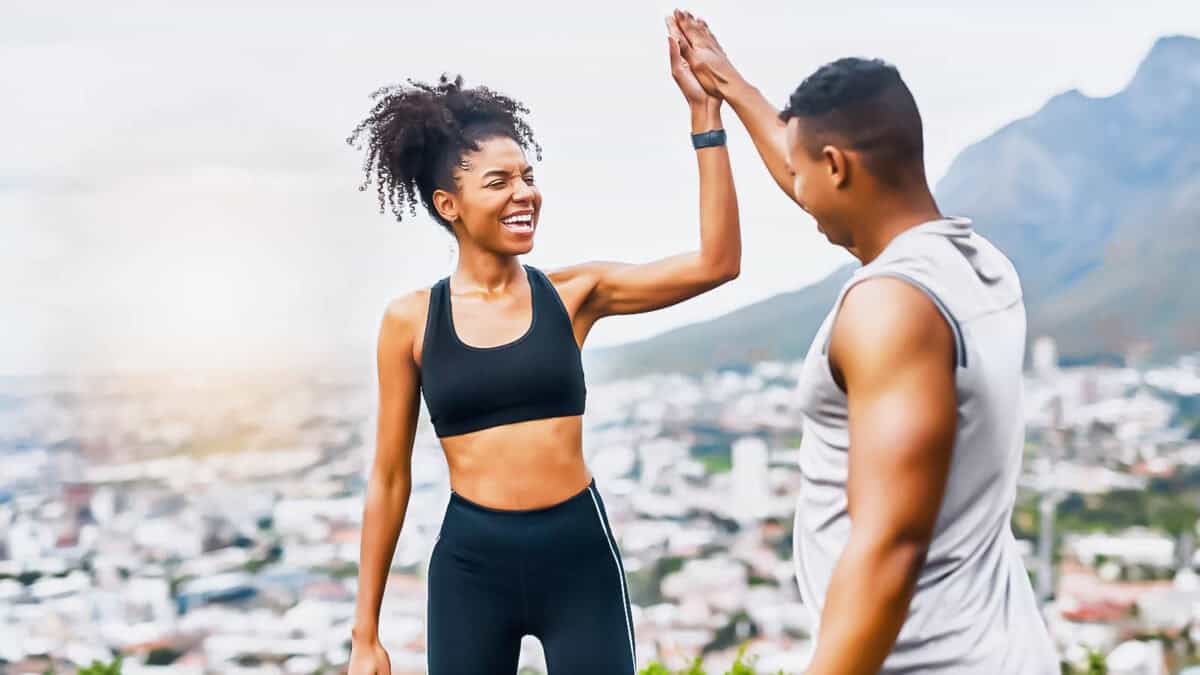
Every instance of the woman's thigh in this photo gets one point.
(582, 602)
(474, 617)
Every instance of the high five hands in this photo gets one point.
(696, 49)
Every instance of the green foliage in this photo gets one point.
(1026, 520)
(97, 668)
(1096, 665)
(741, 666)
(739, 628)
(1170, 507)
(717, 463)
(656, 668)
(347, 570)
(177, 583)
(162, 656)
(645, 585)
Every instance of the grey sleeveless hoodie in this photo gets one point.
(974, 610)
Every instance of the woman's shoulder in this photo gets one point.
(405, 315)
(576, 282)
(585, 273)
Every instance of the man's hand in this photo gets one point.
(703, 53)
(711, 68)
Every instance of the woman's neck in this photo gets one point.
(485, 271)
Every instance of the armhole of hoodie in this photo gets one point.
(960, 344)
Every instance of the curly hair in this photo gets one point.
(418, 133)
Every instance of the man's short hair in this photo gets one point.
(864, 106)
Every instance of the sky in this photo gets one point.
(176, 190)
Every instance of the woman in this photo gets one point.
(525, 546)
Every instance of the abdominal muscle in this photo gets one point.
(526, 465)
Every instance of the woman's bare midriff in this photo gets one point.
(526, 465)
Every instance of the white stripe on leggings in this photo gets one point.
(620, 576)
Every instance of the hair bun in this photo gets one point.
(418, 132)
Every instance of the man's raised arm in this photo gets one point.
(717, 75)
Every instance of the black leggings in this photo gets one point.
(554, 573)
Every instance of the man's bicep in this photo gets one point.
(893, 348)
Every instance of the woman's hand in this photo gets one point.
(702, 53)
(368, 657)
(682, 73)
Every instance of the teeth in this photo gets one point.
(526, 218)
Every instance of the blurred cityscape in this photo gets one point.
(209, 523)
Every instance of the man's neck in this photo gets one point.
(889, 216)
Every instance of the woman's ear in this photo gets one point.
(836, 165)
(446, 204)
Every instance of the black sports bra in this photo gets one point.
(536, 376)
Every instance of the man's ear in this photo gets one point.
(836, 165)
(446, 204)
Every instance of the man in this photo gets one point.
(911, 390)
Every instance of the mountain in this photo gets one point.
(776, 328)
(1095, 200)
